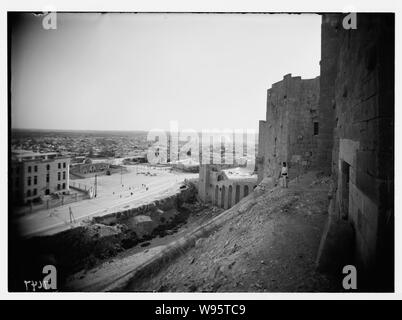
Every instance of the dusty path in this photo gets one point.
(271, 247)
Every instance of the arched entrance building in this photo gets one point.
(225, 188)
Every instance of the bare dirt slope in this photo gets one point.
(271, 247)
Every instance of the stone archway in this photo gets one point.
(223, 195)
(230, 192)
(245, 191)
(237, 195)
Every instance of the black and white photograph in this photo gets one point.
(200, 151)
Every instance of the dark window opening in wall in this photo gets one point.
(36, 168)
(48, 167)
(47, 178)
(223, 195)
(230, 191)
(64, 175)
(245, 191)
(316, 128)
(58, 175)
(35, 192)
(59, 165)
(28, 193)
(64, 164)
(47, 191)
(35, 179)
(29, 181)
(345, 175)
(58, 186)
(237, 195)
(64, 185)
(29, 169)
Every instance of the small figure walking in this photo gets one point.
(72, 219)
(284, 175)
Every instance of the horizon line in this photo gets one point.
(119, 130)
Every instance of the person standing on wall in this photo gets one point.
(284, 175)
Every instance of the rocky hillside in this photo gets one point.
(271, 246)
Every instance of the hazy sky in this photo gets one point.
(139, 71)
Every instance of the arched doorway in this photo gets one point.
(223, 195)
(230, 191)
(216, 195)
(245, 191)
(237, 196)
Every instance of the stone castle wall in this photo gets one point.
(328, 71)
(289, 127)
(353, 103)
(363, 158)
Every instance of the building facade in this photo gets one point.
(289, 133)
(358, 65)
(89, 167)
(221, 188)
(34, 175)
(342, 123)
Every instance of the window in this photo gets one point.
(47, 191)
(48, 167)
(35, 179)
(29, 169)
(245, 191)
(47, 177)
(36, 168)
(35, 192)
(64, 164)
(316, 128)
(64, 175)
(28, 193)
(58, 186)
(59, 165)
(58, 176)
(29, 181)
(64, 185)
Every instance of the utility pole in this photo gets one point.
(96, 185)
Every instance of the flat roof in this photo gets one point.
(28, 155)
(240, 173)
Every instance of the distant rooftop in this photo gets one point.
(240, 174)
(24, 155)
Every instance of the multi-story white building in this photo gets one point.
(34, 175)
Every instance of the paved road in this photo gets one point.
(112, 197)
